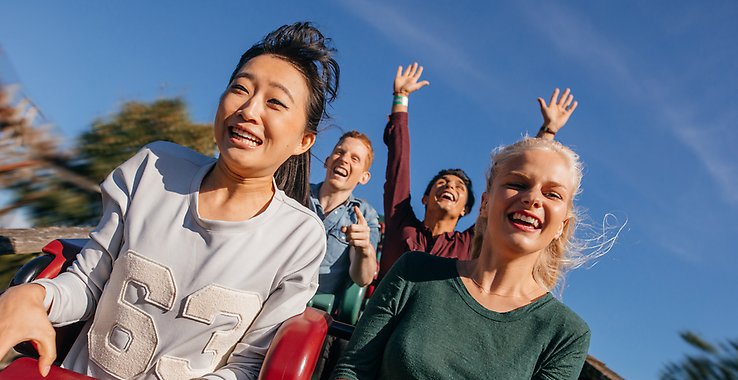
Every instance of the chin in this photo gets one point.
(449, 208)
(338, 182)
(523, 245)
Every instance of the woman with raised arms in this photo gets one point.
(196, 260)
(491, 317)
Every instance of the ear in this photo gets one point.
(483, 205)
(365, 177)
(308, 139)
(562, 227)
(424, 200)
(325, 162)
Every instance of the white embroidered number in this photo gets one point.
(203, 306)
(125, 345)
(135, 355)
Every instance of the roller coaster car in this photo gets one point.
(292, 355)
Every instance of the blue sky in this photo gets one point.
(656, 125)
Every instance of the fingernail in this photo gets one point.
(45, 370)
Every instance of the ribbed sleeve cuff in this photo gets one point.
(50, 293)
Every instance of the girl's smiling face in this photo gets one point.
(529, 200)
(261, 117)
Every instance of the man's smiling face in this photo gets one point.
(347, 165)
(448, 193)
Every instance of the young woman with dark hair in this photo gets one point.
(196, 260)
(294, 175)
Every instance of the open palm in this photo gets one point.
(406, 82)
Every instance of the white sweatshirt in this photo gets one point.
(176, 296)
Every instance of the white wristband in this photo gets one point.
(400, 100)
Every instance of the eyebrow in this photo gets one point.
(271, 83)
(521, 174)
(451, 179)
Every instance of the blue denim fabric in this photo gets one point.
(334, 270)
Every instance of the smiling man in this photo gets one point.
(448, 196)
(351, 224)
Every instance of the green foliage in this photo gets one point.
(110, 142)
(712, 362)
(54, 201)
(59, 204)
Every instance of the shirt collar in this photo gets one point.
(315, 194)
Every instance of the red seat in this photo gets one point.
(27, 369)
(296, 347)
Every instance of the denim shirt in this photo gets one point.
(334, 270)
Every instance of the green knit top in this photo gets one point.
(422, 323)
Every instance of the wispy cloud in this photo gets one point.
(711, 147)
(459, 70)
(578, 39)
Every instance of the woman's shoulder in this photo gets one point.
(158, 163)
(565, 317)
(295, 211)
(166, 150)
(165, 156)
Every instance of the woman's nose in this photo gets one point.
(248, 110)
(532, 200)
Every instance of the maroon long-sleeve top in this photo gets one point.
(403, 230)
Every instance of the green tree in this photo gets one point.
(58, 201)
(111, 142)
(712, 362)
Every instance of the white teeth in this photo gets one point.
(525, 218)
(343, 172)
(246, 137)
(448, 196)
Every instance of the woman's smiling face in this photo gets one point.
(529, 200)
(261, 117)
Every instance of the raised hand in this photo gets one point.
(22, 318)
(557, 112)
(406, 82)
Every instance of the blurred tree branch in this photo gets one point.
(711, 362)
(62, 188)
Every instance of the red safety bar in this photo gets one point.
(64, 251)
(296, 347)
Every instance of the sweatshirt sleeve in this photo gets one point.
(287, 300)
(73, 295)
(363, 356)
(398, 211)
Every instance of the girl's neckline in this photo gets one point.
(223, 225)
(503, 316)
